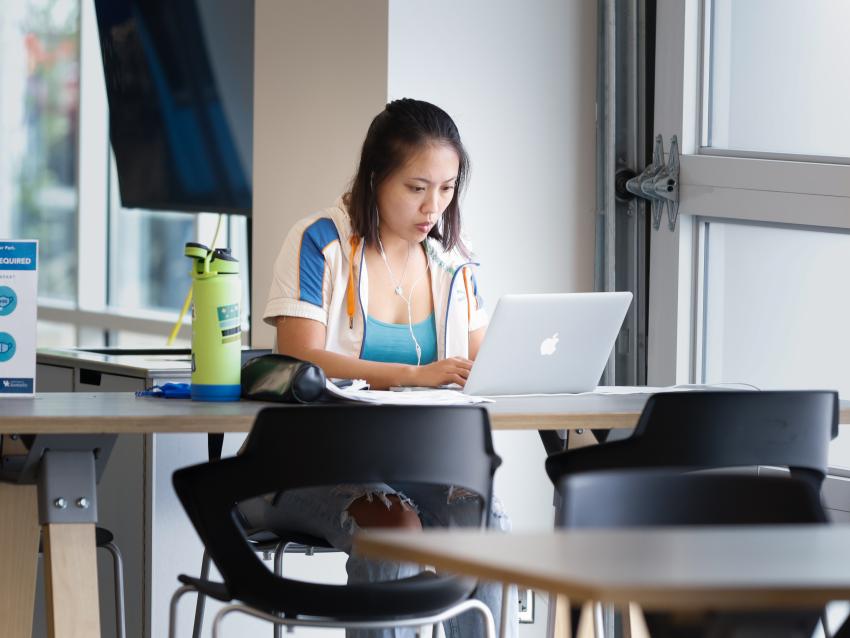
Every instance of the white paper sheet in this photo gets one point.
(413, 397)
(420, 396)
(643, 389)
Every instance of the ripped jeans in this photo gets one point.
(323, 512)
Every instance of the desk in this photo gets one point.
(69, 559)
(754, 567)
(123, 413)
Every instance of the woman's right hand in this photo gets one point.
(443, 372)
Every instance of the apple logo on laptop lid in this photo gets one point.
(548, 345)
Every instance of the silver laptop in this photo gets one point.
(548, 344)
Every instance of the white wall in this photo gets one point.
(519, 79)
(320, 76)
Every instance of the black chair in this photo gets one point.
(720, 429)
(641, 498)
(297, 446)
(657, 498)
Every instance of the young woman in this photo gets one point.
(380, 287)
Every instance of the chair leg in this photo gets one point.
(467, 605)
(118, 578)
(202, 599)
(279, 551)
(172, 609)
(598, 620)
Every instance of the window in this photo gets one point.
(108, 276)
(39, 87)
(775, 306)
(773, 70)
(751, 91)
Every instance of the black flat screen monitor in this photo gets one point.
(179, 81)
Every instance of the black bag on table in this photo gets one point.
(281, 378)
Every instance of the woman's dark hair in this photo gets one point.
(402, 128)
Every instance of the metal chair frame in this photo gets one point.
(118, 580)
(281, 548)
(279, 622)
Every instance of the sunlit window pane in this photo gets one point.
(776, 307)
(51, 334)
(778, 73)
(127, 339)
(39, 102)
(148, 270)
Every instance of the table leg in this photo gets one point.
(636, 624)
(70, 569)
(559, 608)
(559, 616)
(18, 558)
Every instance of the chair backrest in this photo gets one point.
(719, 429)
(644, 498)
(366, 443)
(299, 446)
(647, 498)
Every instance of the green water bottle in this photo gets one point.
(216, 324)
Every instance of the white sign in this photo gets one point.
(18, 309)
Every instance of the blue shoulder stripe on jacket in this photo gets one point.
(479, 300)
(315, 239)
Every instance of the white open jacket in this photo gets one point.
(320, 274)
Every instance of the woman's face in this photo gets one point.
(412, 199)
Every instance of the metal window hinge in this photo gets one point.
(659, 183)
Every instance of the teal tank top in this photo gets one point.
(391, 342)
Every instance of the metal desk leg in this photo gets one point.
(18, 558)
(68, 511)
(554, 441)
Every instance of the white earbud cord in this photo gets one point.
(409, 299)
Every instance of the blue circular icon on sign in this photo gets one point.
(8, 300)
(7, 346)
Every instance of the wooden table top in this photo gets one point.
(662, 568)
(124, 413)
